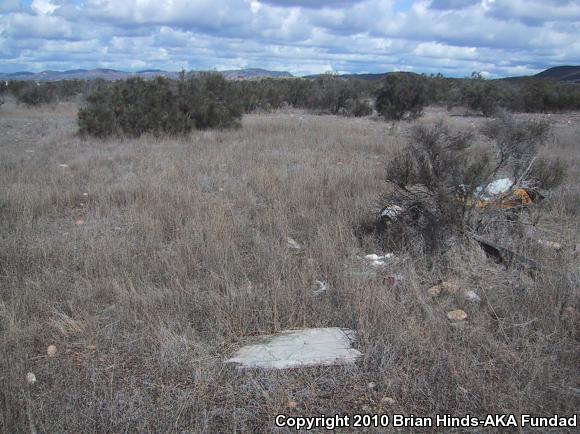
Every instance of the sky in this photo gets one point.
(454, 37)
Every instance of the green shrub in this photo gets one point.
(357, 107)
(136, 106)
(402, 95)
(31, 93)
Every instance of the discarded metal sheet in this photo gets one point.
(503, 254)
(299, 348)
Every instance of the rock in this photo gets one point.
(80, 222)
(63, 165)
(388, 400)
(293, 244)
(30, 378)
(51, 351)
(457, 315)
(435, 291)
(292, 404)
(472, 296)
(371, 385)
(299, 349)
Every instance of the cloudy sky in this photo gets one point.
(454, 37)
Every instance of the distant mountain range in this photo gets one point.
(570, 74)
(113, 74)
(562, 73)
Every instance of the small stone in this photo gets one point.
(292, 404)
(472, 296)
(457, 315)
(371, 385)
(388, 400)
(51, 351)
(80, 222)
(85, 194)
(63, 165)
(30, 378)
(435, 291)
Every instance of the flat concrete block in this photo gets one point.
(299, 348)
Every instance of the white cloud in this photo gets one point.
(43, 7)
(451, 36)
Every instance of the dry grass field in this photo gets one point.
(149, 261)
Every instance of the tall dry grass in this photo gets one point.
(181, 257)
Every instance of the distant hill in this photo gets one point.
(365, 76)
(570, 74)
(561, 73)
(113, 74)
(246, 74)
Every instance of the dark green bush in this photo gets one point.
(402, 95)
(136, 106)
(32, 93)
(357, 107)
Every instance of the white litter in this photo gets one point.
(551, 244)
(293, 244)
(322, 287)
(495, 188)
(392, 212)
(299, 348)
(379, 261)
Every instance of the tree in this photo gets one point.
(402, 95)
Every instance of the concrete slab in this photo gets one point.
(299, 348)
